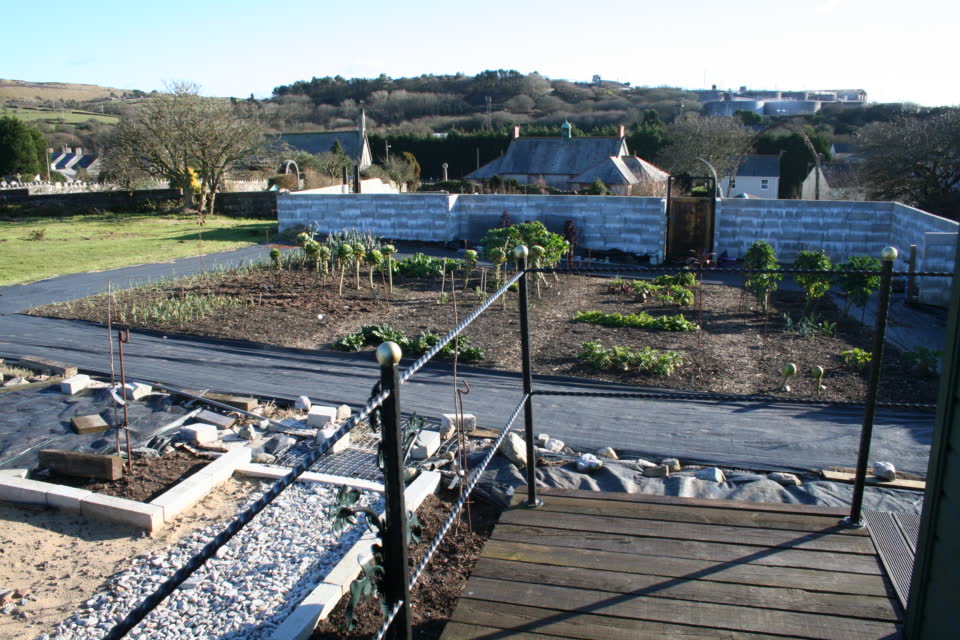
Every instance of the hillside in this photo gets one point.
(21, 90)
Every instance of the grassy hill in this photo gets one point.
(21, 90)
(56, 116)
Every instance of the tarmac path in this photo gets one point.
(749, 435)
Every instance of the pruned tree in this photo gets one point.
(914, 160)
(720, 141)
(179, 135)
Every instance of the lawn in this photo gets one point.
(34, 248)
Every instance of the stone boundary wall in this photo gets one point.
(246, 204)
(86, 201)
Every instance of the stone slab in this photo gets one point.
(89, 424)
(184, 495)
(224, 466)
(240, 402)
(426, 445)
(218, 420)
(200, 433)
(320, 417)
(75, 384)
(255, 470)
(137, 514)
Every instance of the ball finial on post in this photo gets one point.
(889, 254)
(389, 353)
(520, 252)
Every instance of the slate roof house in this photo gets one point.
(624, 174)
(68, 161)
(569, 163)
(838, 181)
(757, 177)
(354, 143)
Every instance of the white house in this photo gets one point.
(757, 177)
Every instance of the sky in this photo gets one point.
(895, 50)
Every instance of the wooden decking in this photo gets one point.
(630, 567)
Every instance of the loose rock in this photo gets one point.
(711, 474)
(553, 445)
(302, 403)
(660, 471)
(514, 449)
(885, 471)
(263, 458)
(672, 463)
(785, 479)
(608, 452)
(588, 463)
(644, 464)
(248, 432)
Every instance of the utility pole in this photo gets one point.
(489, 112)
(386, 149)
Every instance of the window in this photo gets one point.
(764, 184)
(733, 183)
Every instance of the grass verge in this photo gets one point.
(33, 248)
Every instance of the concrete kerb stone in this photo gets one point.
(184, 495)
(113, 509)
(300, 624)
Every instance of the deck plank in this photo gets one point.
(510, 619)
(736, 618)
(687, 531)
(739, 573)
(700, 515)
(691, 549)
(787, 599)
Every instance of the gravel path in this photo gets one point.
(245, 592)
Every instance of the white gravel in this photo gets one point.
(246, 591)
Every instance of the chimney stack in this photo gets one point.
(623, 132)
(516, 131)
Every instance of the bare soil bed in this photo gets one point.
(738, 350)
(435, 595)
(148, 479)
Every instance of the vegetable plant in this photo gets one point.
(373, 259)
(856, 358)
(761, 256)
(275, 258)
(815, 285)
(789, 370)
(359, 252)
(640, 320)
(344, 256)
(470, 258)
(644, 361)
(817, 372)
(527, 234)
(388, 250)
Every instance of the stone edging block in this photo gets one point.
(301, 622)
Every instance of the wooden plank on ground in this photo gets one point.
(246, 404)
(749, 574)
(899, 483)
(719, 616)
(461, 631)
(45, 366)
(692, 549)
(82, 465)
(787, 599)
(582, 625)
(684, 531)
(648, 511)
(772, 507)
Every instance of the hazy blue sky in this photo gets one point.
(895, 50)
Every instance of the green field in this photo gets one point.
(58, 116)
(41, 247)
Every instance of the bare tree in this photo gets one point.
(914, 160)
(185, 138)
(716, 139)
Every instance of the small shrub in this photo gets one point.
(858, 287)
(815, 285)
(808, 326)
(925, 361)
(856, 358)
(36, 235)
(676, 294)
(761, 256)
(683, 279)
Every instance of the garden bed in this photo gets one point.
(738, 350)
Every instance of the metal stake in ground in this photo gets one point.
(520, 253)
(395, 539)
(123, 336)
(855, 519)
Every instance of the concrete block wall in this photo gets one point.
(633, 225)
(939, 252)
(412, 216)
(842, 229)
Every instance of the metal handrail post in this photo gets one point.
(520, 253)
(855, 519)
(395, 535)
